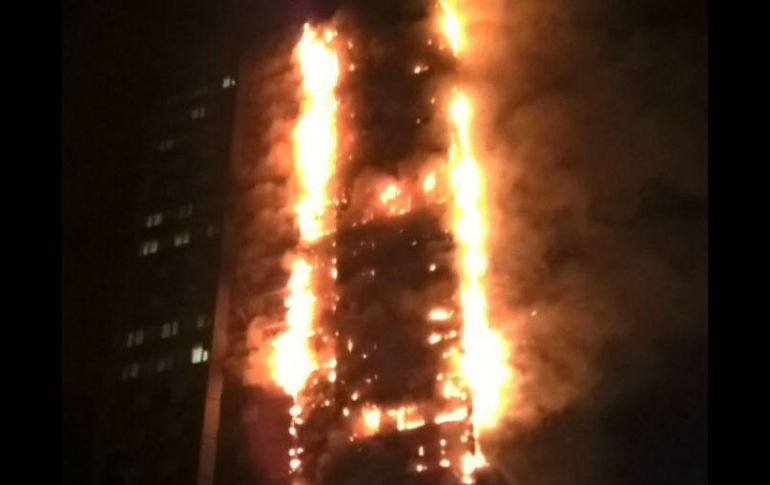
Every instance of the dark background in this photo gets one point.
(117, 58)
(105, 63)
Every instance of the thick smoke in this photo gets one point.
(262, 151)
(592, 118)
(591, 121)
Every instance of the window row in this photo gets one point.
(185, 211)
(166, 144)
(135, 338)
(148, 247)
(156, 218)
(182, 238)
(227, 82)
(167, 330)
(198, 112)
(197, 355)
(151, 246)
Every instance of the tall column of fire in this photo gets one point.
(373, 370)
(296, 358)
(483, 362)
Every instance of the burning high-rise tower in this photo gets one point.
(353, 309)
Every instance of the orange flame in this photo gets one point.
(429, 183)
(315, 135)
(315, 143)
(394, 200)
(483, 363)
(451, 26)
(293, 360)
(439, 314)
(371, 417)
(314, 150)
(389, 193)
(457, 414)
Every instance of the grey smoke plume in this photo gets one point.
(592, 116)
(591, 121)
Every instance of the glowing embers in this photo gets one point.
(444, 455)
(433, 182)
(389, 193)
(457, 414)
(371, 419)
(437, 337)
(331, 374)
(439, 314)
(470, 463)
(451, 390)
(429, 182)
(394, 200)
(294, 461)
(408, 418)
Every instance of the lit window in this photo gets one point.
(148, 247)
(169, 329)
(166, 145)
(164, 363)
(198, 112)
(154, 220)
(182, 238)
(135, 338)
(185, 211)
(199, 354)
(228, 82)
(200, 322)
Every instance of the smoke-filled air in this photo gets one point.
(490, 225)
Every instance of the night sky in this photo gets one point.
(101, 56)
(644, 419)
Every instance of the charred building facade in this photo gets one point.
(383, 395)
